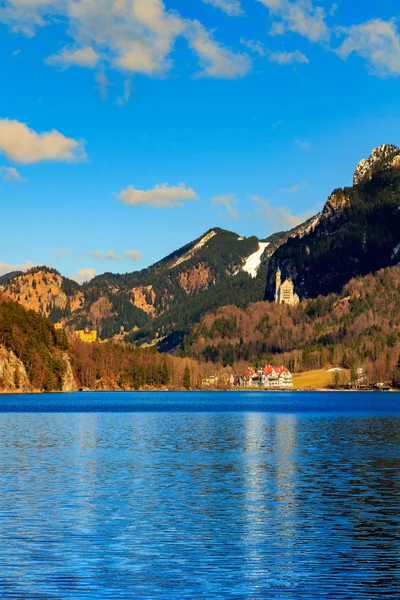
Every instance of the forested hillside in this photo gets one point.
(35, 356)
(358, 328)
(357, 233)
(158, 304)
(35, 343)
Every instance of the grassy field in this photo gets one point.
(316, 379)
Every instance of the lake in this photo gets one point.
(200, 495)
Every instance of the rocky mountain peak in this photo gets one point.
(379, 155)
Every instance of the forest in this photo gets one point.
(36, 343)
(46, 355)
(359, 328)
(357, 234)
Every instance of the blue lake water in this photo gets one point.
(200, 495)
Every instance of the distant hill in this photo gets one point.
(358, 328)
(157, 305)
(35, 356)
(7, 276)
(357, 233)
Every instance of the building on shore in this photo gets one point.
(284, 292)
(89, 336)
(268, 377)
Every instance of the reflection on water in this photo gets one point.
(239, 505)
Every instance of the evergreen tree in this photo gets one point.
(186, 378)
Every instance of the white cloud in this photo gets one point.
(132, 254)
(376, 41)
(84, 275)
(254, 45)
(61, 252)
(135, 37)
(288, 58)
(103, 84)
(303, 144)
(161, 196)
(229, 202)
(24, 145)
(282, 58)
(132, 36)
(215, 59)
(124, 98)
(10, 174)
(298, 17)
(110, 255)
(8, 268)
(232, 8)
(293, 189)
(24, 16)
(80, 57)
(280, 217)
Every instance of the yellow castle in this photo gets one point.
(86, 335)
(284, 292)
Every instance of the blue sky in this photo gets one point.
(130, 127)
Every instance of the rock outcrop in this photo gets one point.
(336, 202)
(143, 297)
(13, 376)
(42, 291)
(69, 383)
(195, 279)
(383, 156)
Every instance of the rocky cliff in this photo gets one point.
(45, 291)
(358, 231)
(13, 376)
(382, 157)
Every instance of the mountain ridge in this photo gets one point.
(357, 232)
(207, 270)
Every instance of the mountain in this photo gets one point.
(7, 276)
(35, 356)
(358, 328)
(157, 305)
(358, 232)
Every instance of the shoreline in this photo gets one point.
(211, 390)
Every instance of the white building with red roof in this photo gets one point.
(269, 377)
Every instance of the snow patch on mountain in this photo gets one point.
(253, 262)
(195, 249)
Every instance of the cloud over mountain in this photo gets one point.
(84, 275)
(229, 203)
(161, 196)
(8, 267)
(280, 217)
(110, 255)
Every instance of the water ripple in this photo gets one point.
(175, 504)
